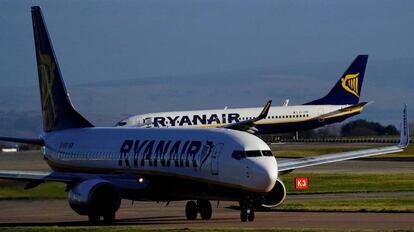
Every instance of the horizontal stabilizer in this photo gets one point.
(357, 108)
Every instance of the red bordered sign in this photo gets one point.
(301, 183)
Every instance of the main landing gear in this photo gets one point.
(203, 207)
(246, 212)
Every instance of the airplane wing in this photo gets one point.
(249, 125)
(36, 178)
(289, 165)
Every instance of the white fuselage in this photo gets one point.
(205, 155)
(219, 117)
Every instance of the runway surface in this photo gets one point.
(153, 215)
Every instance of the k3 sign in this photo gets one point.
(301, 183)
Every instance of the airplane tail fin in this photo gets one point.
(348, 89)
(57, 110)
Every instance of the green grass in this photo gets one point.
(44, 191)
(314, 151)
(392, 205)
(342, 183)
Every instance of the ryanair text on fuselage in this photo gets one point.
(165, 153)
(203, 119)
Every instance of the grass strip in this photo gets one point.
(44, 191)
(347, 183)
(389, 205)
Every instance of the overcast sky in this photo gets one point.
(106, 40)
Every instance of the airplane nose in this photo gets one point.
(265, 174)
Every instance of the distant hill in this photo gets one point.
(388, 83)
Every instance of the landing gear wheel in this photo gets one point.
(191, 210)
(109, 218)
(205, 209)
(251, 216)
(243, 215)
(94, 218)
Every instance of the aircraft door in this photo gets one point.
(215, 158)
(147, 122)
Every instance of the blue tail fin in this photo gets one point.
(348, 89)
(57, 110)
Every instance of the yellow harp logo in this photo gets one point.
(47, 70)
(47, 73)
(350, 83)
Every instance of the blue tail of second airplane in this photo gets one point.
(348, 89)
(57, 110)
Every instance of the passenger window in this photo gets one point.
(267, 153)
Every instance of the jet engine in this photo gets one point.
(94, 196)
(276, 196)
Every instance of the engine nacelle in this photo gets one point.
(276, 196)
(94, 196)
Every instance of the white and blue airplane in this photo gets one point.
(103, 165)
(339, 104)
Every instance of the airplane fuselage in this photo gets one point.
(279, 120)
(200, 156)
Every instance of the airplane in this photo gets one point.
(339, 104)
(103, 165)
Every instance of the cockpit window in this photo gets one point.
(238, 155)
(121, 124)
(267, 153)
(253, 153)
(256, 153)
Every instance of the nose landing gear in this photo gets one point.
(246, 212)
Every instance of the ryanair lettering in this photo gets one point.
(196, 120)
(350, 84)
(164, 153)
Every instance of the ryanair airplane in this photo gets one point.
(339, 104)
(103, 165)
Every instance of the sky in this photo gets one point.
(107, 40)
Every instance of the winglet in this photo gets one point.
(405, 137)
(264, 112)
(248, 125)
